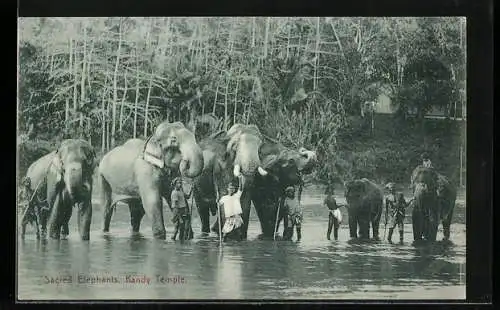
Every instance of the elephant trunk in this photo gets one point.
(192, 156)
(247, 159)
(73, 179)
(310, 160)
(84, 220)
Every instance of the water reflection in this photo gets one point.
(312, 268)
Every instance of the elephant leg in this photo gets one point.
(245, 206)
(432, 230)
(364, 226)
(446, 228)
(416, 220)
(106, 202)
(136, 214)
(446, 221)
(67, 212)
(375, 226)
(203, 211)
(153, 208)
(353, 226)
(298, 227)
(56, 216)
(42, 217)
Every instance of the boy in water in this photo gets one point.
(334, 214)
(395, 205)
(230, 211)
(180, 209)
(293, 215)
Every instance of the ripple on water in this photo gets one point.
(313, 268)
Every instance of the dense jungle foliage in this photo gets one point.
(308, 82)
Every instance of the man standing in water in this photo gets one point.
(230, 211)
(395, 205)
(293, 215)
(334, 214)
(180, 210)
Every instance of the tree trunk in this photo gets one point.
(316, 56)
(122, 105)
(103, 124)
(226, 120)
(115, 90)
(137, 93)
(147, 106)
(215, 100)
(66, 112)
(235, 100)
(75, 80)
(266, 36)
(82, 89)
(253, 33)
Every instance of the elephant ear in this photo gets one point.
(153, 153)
(231, 145)
(269, 161)
(56, 167)
(268, 148)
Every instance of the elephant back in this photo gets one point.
(38, 170)
(363, 191)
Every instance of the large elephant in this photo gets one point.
(285, 168)
(63, 179)
(364, 207)
(227, 155)
(434, 201)
(140, 172)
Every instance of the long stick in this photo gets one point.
(276, 222)
(216, 187)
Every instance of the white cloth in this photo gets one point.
(232, 223)
(337, 214)
(231, 204)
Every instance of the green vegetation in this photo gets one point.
(304, 81)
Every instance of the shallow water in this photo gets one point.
(314, 268)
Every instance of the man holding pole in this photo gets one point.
(230, 211)
(395, 204)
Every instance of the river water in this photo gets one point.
(313, 268)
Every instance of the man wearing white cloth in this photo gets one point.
(230, 209)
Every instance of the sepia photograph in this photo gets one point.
(241, 158)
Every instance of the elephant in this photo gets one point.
(139, 173)
(285, 168)
(60, 180)
(434, 201)
(364, 207)
(227, 155)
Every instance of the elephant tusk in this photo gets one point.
(262, 171)
(237, 170)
